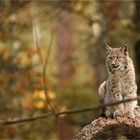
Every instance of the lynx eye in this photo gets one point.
(109, 57)
(120, 57)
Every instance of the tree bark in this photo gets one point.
(111, 129)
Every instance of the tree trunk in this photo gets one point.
(112, 15)
(136, 21)
(66, 67)
(108, 11)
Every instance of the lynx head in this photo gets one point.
(116, 58)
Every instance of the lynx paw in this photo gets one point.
(108, 114)
(118, 113)
(137, 111)
(130, 114)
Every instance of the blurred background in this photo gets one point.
(71, 33)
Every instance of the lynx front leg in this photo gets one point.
(119, 108)
(108, 112)
(130, 106)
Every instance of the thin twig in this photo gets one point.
(44, 74)
(28, 119)
(67, 112)
(37, 46)
(49, 50)
(44, 65)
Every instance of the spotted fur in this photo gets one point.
(120, 83)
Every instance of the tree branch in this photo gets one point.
(111, 129)
(44, 65)
(44, 74)
(68, 112)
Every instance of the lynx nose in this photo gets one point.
(114, 65)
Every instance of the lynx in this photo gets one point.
(120, 83)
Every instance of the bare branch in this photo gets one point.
(44, 74)
(28, 119)
(49, 50)
(44, 65)
(37, 46)
(67, 112)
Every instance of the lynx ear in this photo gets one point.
(124, 49)
(107, 47)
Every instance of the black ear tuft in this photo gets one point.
(107, 47)
(124, 48)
